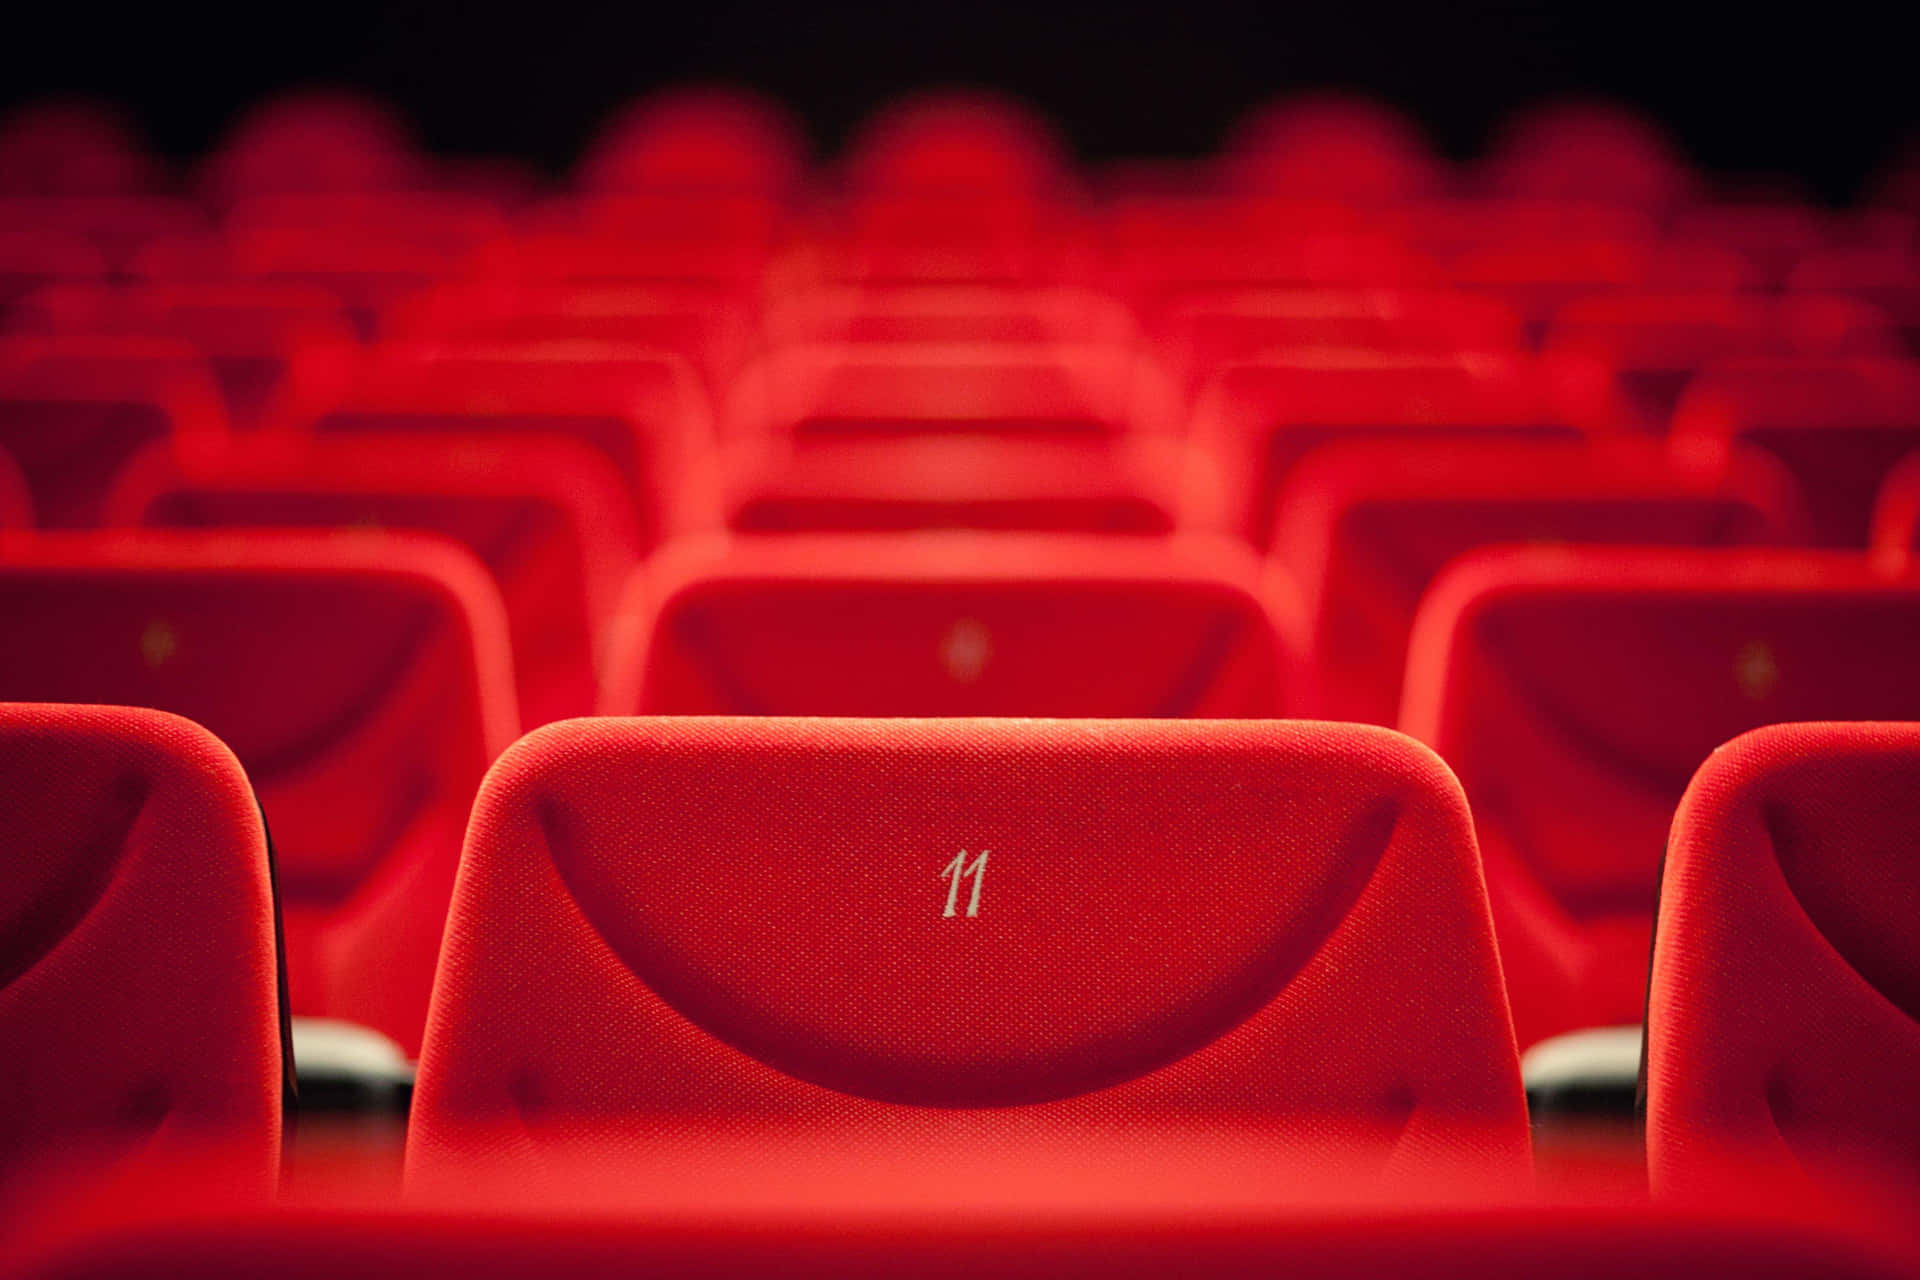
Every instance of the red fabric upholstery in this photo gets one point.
(643, 412)
(139, 984)
(1657, 341)
(634, 935)
(955, 624)
(548, 517)
(1575, 690)
(1261, 418)
(363, 682)
(16, 503)
(1784, 1016)
(1896, 516)
(1839, 425)
(257, 338)
(73, 410)
(1366, 525)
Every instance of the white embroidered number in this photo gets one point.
(958, 870)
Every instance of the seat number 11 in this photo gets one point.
(958, 870)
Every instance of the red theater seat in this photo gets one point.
(633, 939)
(700, 140)
(953, 624)
(675, 246)
(643, 412)
(1162, 249)
(139, 984)
(16, 501)
(73, 410)
(1896, 515)
(1839, 425)
(1261, 418)
(957, 143)
(1887, 275)
(1541, 275)
(117, 225)
(952, 313)
(364, 683)
(1202, 331)
(1658, 341)
(71, 148)
(1365, 526)
(1772, 234)
(259, 339)
(1574, 690)
(1588, 150)
(1330, 147)
(31, 257)
(549, 518)
(313, 142)
(1783, 1021)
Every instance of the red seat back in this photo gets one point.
(1575, 690)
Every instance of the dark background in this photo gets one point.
(1823, 93)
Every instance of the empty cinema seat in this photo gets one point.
(1365, 526)
(951, 624)
(548, 517)
(139, 981)
(1260, 418)
(642, 411)
(1839, 425)
(1783, 1021)
(259, 340)
(73, 410)
(1896, 514)
(364, 683)
(635, 938)
(1574, 690)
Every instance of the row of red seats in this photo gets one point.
(1274, 930)
(366, 682)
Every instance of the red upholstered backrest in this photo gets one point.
(547, 517)
(952, 624)
(1840, 425)
(73, 410)
(749, 917)
(1784, 1013)
(1364, 527)
(1575, 690)
(16, 503)
(363, 681)
(1896, 513)
(1261, 418)
(139, 997)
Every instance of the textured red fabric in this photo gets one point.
(644, 412)
(362, 680)
(1657, 341)
(1783, 1020)
(255, 337)
(1575, 690)
(139, 986)
(1896, 515)
(1366, 525)
(1839, 425)
(1260, 418)
(744, 917)
(952, 624)
(73, 410)
(939, 1228)
(548, 517)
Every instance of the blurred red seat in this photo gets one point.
(1887, 275)
(139, 981)
(956, 143)
(1896, 513)
(32, 257)
(1783, 1021)
(1330, 146)
(72, 147)
(1540, 276)
(953, 624)
(1260, 418)
(363, 682)
(1575, 690)
(73, 410)
(1839, 425)
(16, 502)
(696, 140)
(312, 142)
(1588, 150)
(548, 517)
(1365, 526)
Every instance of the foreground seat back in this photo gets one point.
(1783, 1021)
(1575, 691)
(139, 982)
(363, 682)
(949, 625)
(842, 918)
